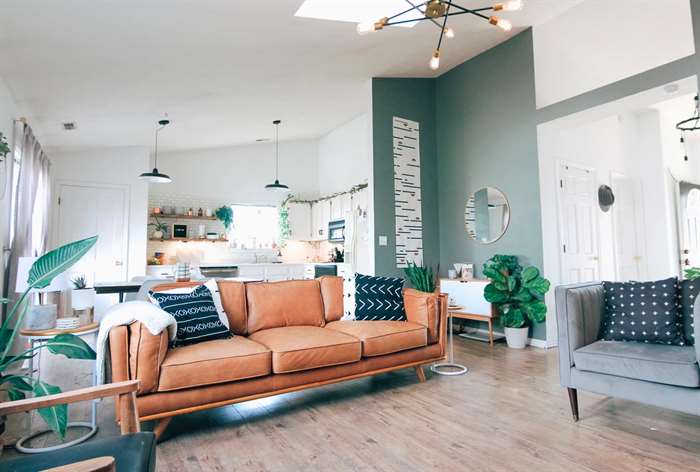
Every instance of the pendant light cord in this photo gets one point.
(163, 124)
(277, 150)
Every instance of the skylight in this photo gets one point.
(356, 11)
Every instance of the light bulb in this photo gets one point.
(435, 61)
(365, 28)
(449, 33)
(510, 5)
(505, 25)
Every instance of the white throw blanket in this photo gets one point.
(152, 317)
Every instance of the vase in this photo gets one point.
(83, 298)
(516, 337)
(157, 235)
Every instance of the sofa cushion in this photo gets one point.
(642, 311)
(686, 298)
(383, 337)
(671, 365)
(423, 308)
(233, 301)
(197, 316)
(280, 304)
(379, 298)
(296, 348)
(332, 293)
(212, 362)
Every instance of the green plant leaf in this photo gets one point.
(513, 318)
(493, 295)
(538, 285)
(536, 311)
(56, 417)
(530, 273)
(17, 382)
(16, 394)
(70, 346)
(512, 283)
(5, 335)
(493, 274)
(523, 295)
(57, 261)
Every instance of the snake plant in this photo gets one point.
(12, 380)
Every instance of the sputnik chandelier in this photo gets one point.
(437, 12)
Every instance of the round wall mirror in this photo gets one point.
(487, 215)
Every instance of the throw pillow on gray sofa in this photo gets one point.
(642, 311)
(686, 301)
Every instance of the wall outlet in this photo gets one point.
(383, 240)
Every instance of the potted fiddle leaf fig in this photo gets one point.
(12, 380)
(518, 295)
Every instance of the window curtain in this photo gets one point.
(29, 206)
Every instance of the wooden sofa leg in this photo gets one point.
(161, 426)
(573, 400)
(420, 373)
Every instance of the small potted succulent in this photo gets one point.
(159, 229)
(82, 297)
(518, 294)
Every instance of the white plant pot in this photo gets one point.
(83, 298)
(516, 337)
(157, 235)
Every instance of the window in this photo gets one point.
(254, 227)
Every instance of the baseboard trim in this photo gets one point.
(538, 343)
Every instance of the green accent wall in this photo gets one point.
(487, 136)
(412, 99)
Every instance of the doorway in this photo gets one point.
(578, 224)
(86, 210)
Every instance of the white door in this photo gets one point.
(87, 210)
(629, 258)
(690, 222)
(578, 224)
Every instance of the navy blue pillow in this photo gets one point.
(379, 298)
(195, 313)
(642, 311)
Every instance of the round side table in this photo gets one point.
(450, 367)
(39, 338)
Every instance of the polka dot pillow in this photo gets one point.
(642, 311)
(686, 298)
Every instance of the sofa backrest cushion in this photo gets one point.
(233, 299)
(332, 294)
(423, 308)
(280, 304)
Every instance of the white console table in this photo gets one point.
(469, 296)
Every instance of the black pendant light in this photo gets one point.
(277, 186)
(156, 177)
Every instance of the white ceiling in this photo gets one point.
(221, 69)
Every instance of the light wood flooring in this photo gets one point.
(507, 414)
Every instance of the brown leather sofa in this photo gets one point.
(287, 336)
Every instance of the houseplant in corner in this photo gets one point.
(518, 294)
(12, 380)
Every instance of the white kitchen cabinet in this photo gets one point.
(316, 222)
(300, 221)
(252, 271)
(336, 208)
(325, 218)
(346, 205)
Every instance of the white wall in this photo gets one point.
(115, 166)
(599, 42)
(344, 156)
(238, 175)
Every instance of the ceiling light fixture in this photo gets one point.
(437, 12)
(277, 186)
(156, 177)
(689, 124)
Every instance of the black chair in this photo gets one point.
(133, 451)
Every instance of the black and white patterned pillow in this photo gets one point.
(686, 298)
(379, 298)
(196, 315)
(642, 311)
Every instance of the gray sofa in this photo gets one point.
(656, 374)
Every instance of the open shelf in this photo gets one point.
(182, 217)
(203, 240)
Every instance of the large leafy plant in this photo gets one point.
(422, 278)
(12, 381)
(225, 215)
(692, 273)
(517, 293)
(4, 147)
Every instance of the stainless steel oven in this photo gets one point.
(336, 231)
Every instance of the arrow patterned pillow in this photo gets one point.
(379, 298)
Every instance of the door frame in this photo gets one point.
(560, 213)
(58, 184)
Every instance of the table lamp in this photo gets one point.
(41, 316)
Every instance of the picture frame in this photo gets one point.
(179, 231)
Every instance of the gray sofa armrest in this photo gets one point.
(579, 310)
(696, 327)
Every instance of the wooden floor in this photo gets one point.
(507, 414)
